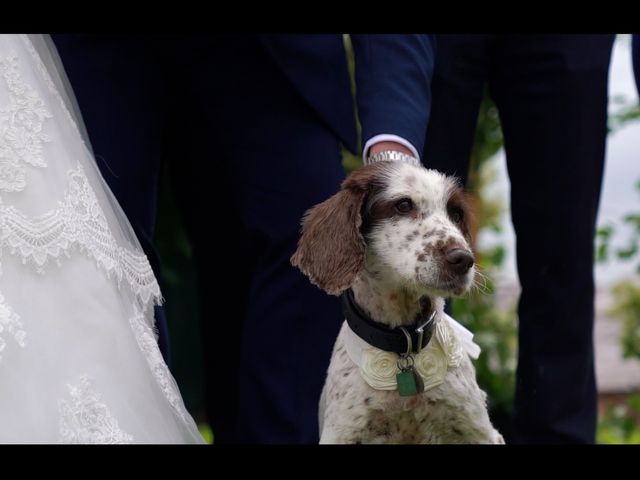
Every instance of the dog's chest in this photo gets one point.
(449, 413)
(388, 427)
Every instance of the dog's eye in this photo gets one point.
(456, 215)
(404, 205)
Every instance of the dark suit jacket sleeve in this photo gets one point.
(393, 85)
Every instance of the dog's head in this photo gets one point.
(393, 221)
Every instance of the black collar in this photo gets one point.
(381, 336)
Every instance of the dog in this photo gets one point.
(393, 242)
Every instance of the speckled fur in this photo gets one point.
(401, 274)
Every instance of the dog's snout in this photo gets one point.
(459, 260)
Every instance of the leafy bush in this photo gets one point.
(627, 308)
(621, 423)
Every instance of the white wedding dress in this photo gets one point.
(79, 362)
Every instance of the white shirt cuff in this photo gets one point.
(387, 137)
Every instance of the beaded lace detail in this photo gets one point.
(47, 79)
(21, 122)
(84, 418)
(10, 323)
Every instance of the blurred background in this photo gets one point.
(491, 312)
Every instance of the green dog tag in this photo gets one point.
(409, 382)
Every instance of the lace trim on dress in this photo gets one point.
(149, 346)
(10, 322)
(85, 419)
(21, 135)
(77, 224)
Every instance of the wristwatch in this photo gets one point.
(392, 155)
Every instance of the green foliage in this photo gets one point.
(632, 220)
(627, 308)
(603, 238)
(352, 161)
(495, 332)
(620, 424)
(488, 136)
(627, 113)
(206, 432)
(626, 294)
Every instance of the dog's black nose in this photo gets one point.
(459, 260)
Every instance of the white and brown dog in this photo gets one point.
(394, 241)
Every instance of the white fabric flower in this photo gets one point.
(431, 363)
(449, 343)
(379, 368)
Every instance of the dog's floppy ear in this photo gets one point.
(331, 249)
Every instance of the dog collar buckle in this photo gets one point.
(420, 331)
